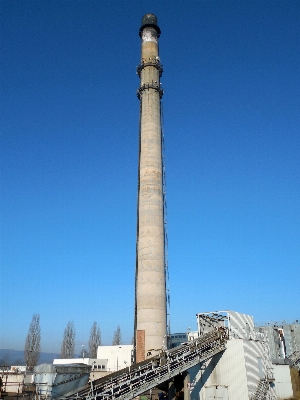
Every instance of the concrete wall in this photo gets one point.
(234, 374)
(223, 376)
(283, 383)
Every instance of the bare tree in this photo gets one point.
(117, 337)
(33, 343)
(95, 340)
(68, 343)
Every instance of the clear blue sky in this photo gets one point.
(69, 144)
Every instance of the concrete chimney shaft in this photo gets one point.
(150, 296)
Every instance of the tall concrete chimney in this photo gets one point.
(150, 285)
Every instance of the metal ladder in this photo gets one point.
(137, 379)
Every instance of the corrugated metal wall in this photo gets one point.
(253, 352)
(241, 326)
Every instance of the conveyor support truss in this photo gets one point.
(294, 359)
(139, 378)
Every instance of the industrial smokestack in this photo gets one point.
(150, 286)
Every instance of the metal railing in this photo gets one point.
(152, 62)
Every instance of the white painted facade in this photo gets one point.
(118, 357)
(283, 384)
(224, 376)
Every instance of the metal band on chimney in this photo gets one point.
(147, 86)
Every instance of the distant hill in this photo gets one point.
(16, 357)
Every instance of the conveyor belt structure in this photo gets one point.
(139, 378)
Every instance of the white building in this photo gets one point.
(109, 359)
(283, 384)
(118, 357)
(98, 366)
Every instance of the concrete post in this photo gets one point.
(150, 296)
(171, 390)
(186, 386)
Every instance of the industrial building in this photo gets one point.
(176, 339)
(244, 370)
(98, 367)
(254, 355)
(284, 344)
(284, 339)
(227, 358)
(118, 357)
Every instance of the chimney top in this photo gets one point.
(149, 20)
